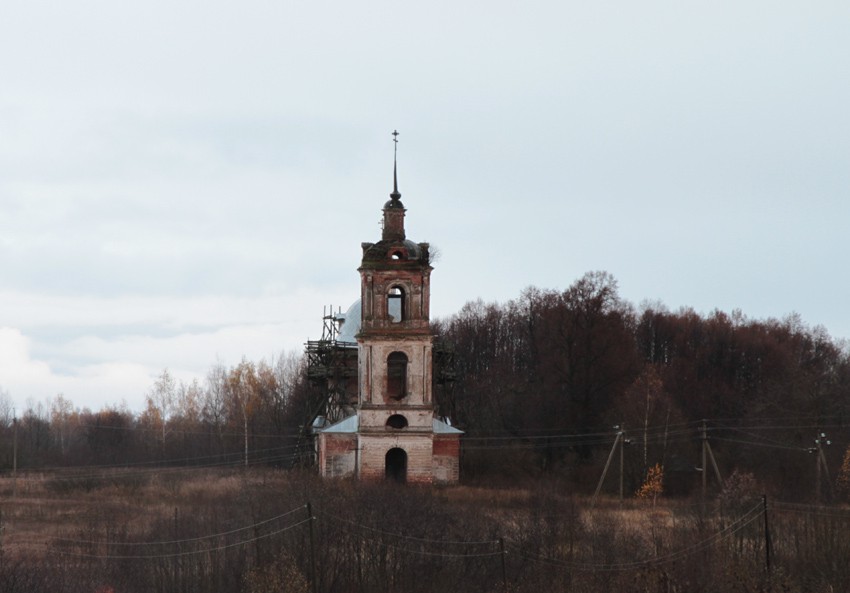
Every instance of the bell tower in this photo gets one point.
(397, 434)
(395, 338)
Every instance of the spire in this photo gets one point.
(393, 227)
(395, 195)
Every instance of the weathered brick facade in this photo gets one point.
(337, 454)
(393, 433)
(446, 466)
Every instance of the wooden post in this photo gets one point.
(504, 564)
(714, 464)
(605, 471)
(704, 460)
(314, 583)
(621, 472)
(15, 457)
(821, 463)
(767, 550)
(817, 472)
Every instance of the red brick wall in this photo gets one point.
(446, 463)
(337, 455)
(447, 446)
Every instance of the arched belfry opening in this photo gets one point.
(397, 375)
(395, 304)
(396, 465)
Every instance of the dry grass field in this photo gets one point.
(250, 531)
(40, 507)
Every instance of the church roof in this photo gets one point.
(351, 319)
(400, 251)
(350, 425)
(347, 425)
(441, 427)
(351, 324)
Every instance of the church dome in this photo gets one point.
(349, 323)
(404, 250)
(393, 204)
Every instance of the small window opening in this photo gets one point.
(397, 421)
(395, 304)
(397, 375)
(396, 255)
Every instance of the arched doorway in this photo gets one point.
(396, 465)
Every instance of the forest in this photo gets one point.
(542, 385)
(541, 382)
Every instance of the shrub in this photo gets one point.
(653, 486)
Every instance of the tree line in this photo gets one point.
(539, 385)
(246, 414)
(542, 380)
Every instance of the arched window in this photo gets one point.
(397, 421)
(397, 375)
(396, 465)
(395, 304)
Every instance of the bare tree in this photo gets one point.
(61, 411)
(162, 398)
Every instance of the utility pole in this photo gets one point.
(708, 455)
(618, 440)
(621, 469)
(14, 454)
(820, 461)
(504, 564)
(311, 518)
(767, 550)
(704, 460)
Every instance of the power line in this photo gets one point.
(408, 537)
(177, 554)
(182, 541)
(757, 444)
(746, 519)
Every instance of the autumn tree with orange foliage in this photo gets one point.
(653, 486)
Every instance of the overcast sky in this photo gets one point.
(186, 183)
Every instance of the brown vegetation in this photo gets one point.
(542, 379)
(249, 531)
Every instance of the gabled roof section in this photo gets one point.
(348, 425)
(441, 427)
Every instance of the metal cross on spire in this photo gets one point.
(395, 195)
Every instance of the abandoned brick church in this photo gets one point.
(390, 431)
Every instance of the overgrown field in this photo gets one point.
(251, 531)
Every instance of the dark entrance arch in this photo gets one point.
(396, 465)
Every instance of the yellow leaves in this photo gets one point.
(653, 486)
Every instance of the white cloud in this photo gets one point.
(81, 346)
(16, 366)
(100, 371)
(27, 379)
